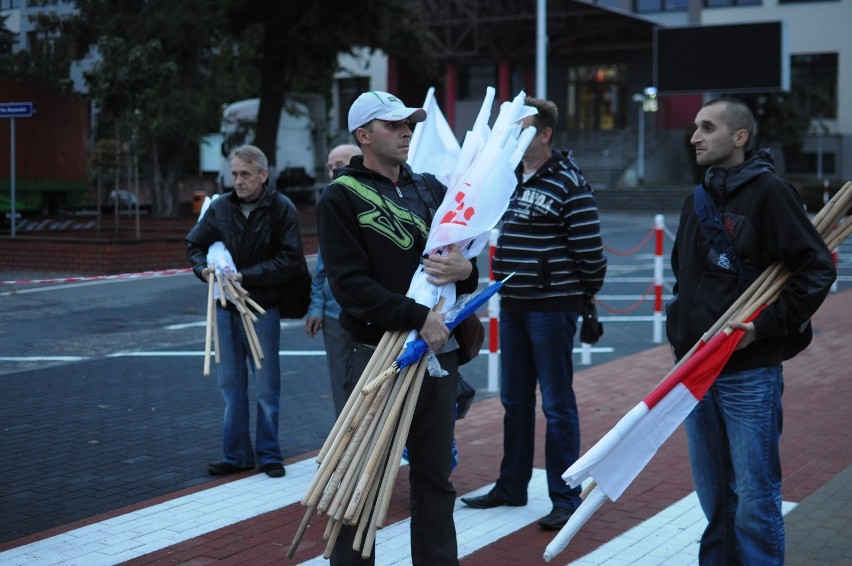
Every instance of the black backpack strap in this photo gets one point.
(714, 231)
(421, 182)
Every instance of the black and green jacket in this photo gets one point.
(372, 234)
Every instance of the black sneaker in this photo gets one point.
(224, 469)
(273, 470)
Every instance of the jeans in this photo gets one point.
(336, 341)
(535, 349)
(734, 435)
(235, 365)
(429, 443)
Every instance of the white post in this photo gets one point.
(493, 322)
(585, 349)
(659, 224)
(12, 175)
(541, 49)
(640, 169)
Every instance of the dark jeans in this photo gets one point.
(734, 435)
(429, 443)
(535, 350)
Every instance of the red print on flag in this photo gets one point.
(452, 217)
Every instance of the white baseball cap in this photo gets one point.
(382, 106)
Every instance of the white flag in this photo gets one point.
(433, 148)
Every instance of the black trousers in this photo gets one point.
(429, 443)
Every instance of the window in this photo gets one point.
(731, 3)
(801, 163)
(651, 6)
(348, 89)
(474, 79)
(813, 81)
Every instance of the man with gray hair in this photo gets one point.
(258, 226)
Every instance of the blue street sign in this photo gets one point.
(16, 109)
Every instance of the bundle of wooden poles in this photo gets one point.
(360, 459)
(229, 287)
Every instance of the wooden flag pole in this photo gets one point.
(344, 428)
(364, 428)
(300, 532)
(222, 300)
(345, 414)
(208, 331)
(400, 438)
(364, 453)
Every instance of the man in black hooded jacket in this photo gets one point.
(734, 431)
(373, 222)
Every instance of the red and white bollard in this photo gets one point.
(493, 321)
(659, 223)
(836, 257)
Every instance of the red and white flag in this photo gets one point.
(617, 458)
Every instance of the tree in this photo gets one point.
(48, 59)
(165, 68)
(152, 81)
(299, 45)
(7, 39)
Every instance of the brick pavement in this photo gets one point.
(816, 460)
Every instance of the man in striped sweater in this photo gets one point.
(550, 239)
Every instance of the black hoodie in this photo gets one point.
(765, 218)
(372, 234)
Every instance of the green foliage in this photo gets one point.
(781, 119)
(166, 67)
(7, 38)
(300, 43)
(50, 54)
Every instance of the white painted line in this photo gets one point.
(475, 528)
(153, 528)
(202, 323)
(42, 358)
(170, 354)
(670, 537)
(199, 353)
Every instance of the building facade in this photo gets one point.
(600, 65)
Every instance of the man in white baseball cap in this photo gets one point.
(379, 105)
(373, 220)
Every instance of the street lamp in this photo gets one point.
(648, 100)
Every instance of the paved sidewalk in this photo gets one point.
(252, 519)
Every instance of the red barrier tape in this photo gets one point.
(629, 309)
(631, 251)
(141, 275)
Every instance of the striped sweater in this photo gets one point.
(550, 238)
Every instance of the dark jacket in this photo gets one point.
(550, 239)
(266, 246)
(372, 235)
(765, 218)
